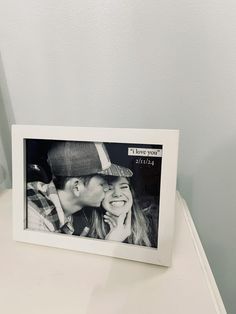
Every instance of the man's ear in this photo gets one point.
(75, 186)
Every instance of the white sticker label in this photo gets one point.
(145, 152)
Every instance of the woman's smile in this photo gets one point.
(117, 203)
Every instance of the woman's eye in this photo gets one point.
(124, 187)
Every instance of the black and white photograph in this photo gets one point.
(106, 191)
(100, 190)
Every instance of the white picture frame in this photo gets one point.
(167, 139)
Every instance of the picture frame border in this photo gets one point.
(167, 138)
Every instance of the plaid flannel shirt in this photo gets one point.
(44, 211)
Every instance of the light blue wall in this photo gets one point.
(145, 64)
(6, 119)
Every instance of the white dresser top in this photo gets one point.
(40, 280)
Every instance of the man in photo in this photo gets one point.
(78, 170)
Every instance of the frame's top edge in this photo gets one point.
(33, 126)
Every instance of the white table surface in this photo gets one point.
(37, 279)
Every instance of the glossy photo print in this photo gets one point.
(107, 191)
(96, 190)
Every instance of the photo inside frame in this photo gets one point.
(130, 205)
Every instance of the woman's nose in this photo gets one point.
(116, 192)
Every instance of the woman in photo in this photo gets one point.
(120, 217)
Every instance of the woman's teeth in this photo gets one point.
(118, 203)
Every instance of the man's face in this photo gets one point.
(93, 193)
